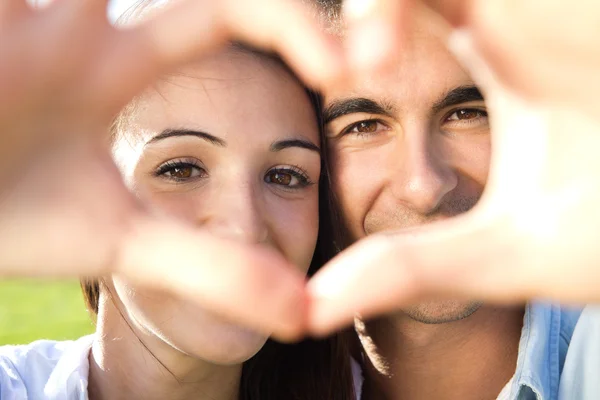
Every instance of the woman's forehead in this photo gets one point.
(228, 92)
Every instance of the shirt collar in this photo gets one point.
(69, 378)
(538, 366)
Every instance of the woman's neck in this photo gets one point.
(131, 365)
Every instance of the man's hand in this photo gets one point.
(545, 50)
(532, 234)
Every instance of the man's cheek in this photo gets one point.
(473, 160)
(351, 202)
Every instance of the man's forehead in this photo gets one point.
(425, 72)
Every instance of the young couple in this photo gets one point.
(238, 146)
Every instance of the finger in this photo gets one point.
(465, 257)
(91, 6)
(191, 28)
(244, 284)
(12, 9)
(457, 12)
(374, 33)
(43, 4)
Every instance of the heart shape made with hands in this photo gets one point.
(532, 233)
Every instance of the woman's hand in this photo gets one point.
(64, 73)
(64, 70)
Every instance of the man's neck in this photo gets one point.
(128, 365)
(468, 359)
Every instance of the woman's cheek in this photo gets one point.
(185, 206)
(295, 228)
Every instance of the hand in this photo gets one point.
(64, 72)
(518, 39)
(532, 234)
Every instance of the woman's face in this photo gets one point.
(232, 146)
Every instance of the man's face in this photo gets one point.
(410, 148)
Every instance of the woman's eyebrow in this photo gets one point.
(168, 133)
(302, 143)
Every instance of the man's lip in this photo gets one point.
(407, 228)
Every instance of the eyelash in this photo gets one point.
(347, 130)
(296, 172)
(173, 164)
(484, 114)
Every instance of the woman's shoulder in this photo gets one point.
(42, 369)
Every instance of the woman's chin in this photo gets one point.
(220, 342)
(234, 346)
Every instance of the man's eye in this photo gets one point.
(467, 114)
(365, 127)
(291, 178)
(180, 171)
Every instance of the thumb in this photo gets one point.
(466, 256)
(246, 284)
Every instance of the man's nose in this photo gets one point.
(419, 176)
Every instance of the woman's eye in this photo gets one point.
(180, 171)
(366, 127)
(287, 177)
(467, 114)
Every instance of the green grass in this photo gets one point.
(37, 309)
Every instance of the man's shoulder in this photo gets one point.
(25, 369)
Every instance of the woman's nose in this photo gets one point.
(236, 214)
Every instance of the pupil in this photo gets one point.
(182, 172)
(467, 114)
(367, 126)
(282, 179)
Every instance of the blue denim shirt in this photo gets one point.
(581, 374)
(547, 341)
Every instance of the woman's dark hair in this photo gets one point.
(311, 369)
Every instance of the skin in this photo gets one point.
(55, 108)
(418, 152)
(512, 247)
(260, 192)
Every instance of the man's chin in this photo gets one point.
(442, 311)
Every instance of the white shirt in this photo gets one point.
(505, 393)
(45, 369)
(49, 370)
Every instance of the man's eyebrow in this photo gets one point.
(459, 95)
(168, 133)
(302, 143)
(339, 108)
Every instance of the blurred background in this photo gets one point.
(42, 309)
(36, 309)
